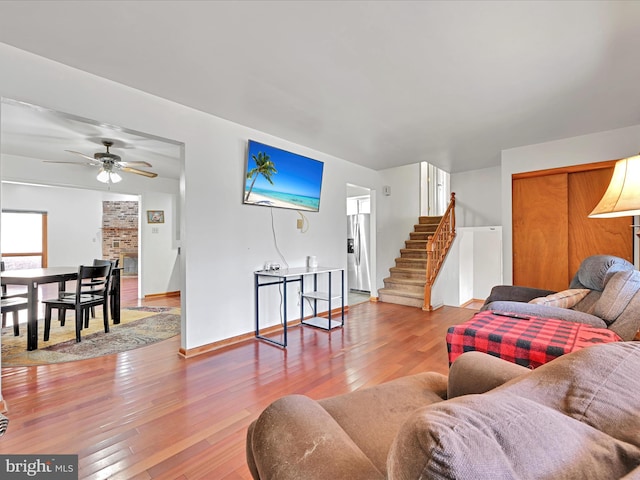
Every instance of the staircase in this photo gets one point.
(405, 285)
(420, 262)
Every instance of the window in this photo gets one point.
(24, 239)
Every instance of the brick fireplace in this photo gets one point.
(120, 234)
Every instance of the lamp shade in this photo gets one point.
(622, 198)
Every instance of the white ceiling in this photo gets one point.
(36, 132)
(374, 82)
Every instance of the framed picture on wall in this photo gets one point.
(155, 216)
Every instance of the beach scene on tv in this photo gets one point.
(277, 178)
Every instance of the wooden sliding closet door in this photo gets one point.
(540, 236)
(552, 233)
(593, 236)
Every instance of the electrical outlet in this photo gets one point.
(299, 223)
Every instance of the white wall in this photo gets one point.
(397, 214)
(478, 200)
(446, 289)
(74, 219)
(223, 241)
(466, 256)
(472, 268)
(487, 260)
(597, 147)
(159, 249)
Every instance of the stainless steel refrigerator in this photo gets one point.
(358, 253)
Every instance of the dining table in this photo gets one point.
(34, 277)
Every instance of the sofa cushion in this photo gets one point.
(594, 271)
(502, 435)
(563, 299)
(617, 294)
(597, 385)
(545, 311)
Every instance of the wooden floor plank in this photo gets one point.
(150, 414)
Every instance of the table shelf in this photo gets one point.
(265, 278)
(321, 296)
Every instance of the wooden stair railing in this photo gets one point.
(438, 246)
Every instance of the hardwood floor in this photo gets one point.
(128, 297)
(151, 414)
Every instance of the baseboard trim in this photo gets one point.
(165, 294)
(473, 300)
(228, 342)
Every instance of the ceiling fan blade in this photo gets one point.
(83, 164)
(82, 155)
(139, 172)
(135, 164)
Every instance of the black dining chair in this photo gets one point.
(12, 304)
(91, 291)
(114, 264)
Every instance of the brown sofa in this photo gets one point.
(611, 288)
(573, 418)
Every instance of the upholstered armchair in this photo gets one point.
(604, 293)
(575, 417)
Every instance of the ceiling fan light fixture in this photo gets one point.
(103, 176)
(106, 176)
(109, 163)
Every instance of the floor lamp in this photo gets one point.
(622, 198)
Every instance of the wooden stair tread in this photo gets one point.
(400, 293)
(411, 260)
(406, 281)
(408, 270)
(429, 220)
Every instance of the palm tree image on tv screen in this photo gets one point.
(277, 178)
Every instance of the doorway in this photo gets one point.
(359, 244)
(51, 152)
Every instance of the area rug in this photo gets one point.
(139, 326)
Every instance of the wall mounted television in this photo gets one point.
(277, 178)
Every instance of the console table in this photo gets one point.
(264, 278)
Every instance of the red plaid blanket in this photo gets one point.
(528, 341)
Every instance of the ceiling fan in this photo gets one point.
(110, 163)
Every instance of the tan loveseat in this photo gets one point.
(576, 417)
